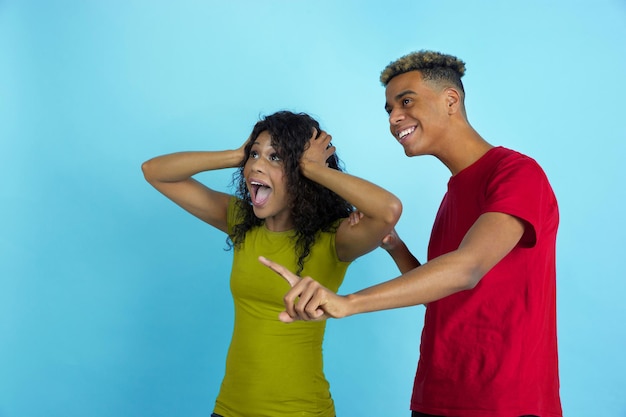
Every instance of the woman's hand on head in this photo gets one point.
(241, 151)
(318, 149)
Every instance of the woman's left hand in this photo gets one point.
(319, 149)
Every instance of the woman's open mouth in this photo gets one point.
(259, 192)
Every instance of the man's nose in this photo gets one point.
(396, 116)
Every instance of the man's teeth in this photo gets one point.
(405, 132)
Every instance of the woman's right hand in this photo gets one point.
(241, 151)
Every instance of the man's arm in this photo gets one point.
(489, 240)
(399, 252)
(395, 247)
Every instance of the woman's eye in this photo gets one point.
(274, 157)
(254, 154)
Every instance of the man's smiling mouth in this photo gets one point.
(406, 132)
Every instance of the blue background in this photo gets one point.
(114, 302)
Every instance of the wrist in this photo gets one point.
(351, 305)
(236, 157)
(397, 247)
(306, 166)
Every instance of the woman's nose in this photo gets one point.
(257, 164)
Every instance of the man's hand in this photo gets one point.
(389, 242)
(307, 300)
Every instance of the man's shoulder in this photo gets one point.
(506, 158)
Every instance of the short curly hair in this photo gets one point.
(434, 66)
(314, 208)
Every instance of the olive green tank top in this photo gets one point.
(275, 369)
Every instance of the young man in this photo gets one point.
(489, 345)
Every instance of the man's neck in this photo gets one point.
(463, 149)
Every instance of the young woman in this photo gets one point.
(292, 204)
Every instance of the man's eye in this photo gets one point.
(406, 101)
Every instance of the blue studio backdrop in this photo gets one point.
(115, 302)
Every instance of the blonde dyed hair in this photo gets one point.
(444, 70)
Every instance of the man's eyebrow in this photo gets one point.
(404, 93)
(399, 96)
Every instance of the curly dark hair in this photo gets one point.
(434, 66)
(314, 208)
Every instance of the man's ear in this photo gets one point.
(453, 100)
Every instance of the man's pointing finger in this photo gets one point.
(289, 276)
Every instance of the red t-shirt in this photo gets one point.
(492, 351)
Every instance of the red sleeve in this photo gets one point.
(519, 187)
